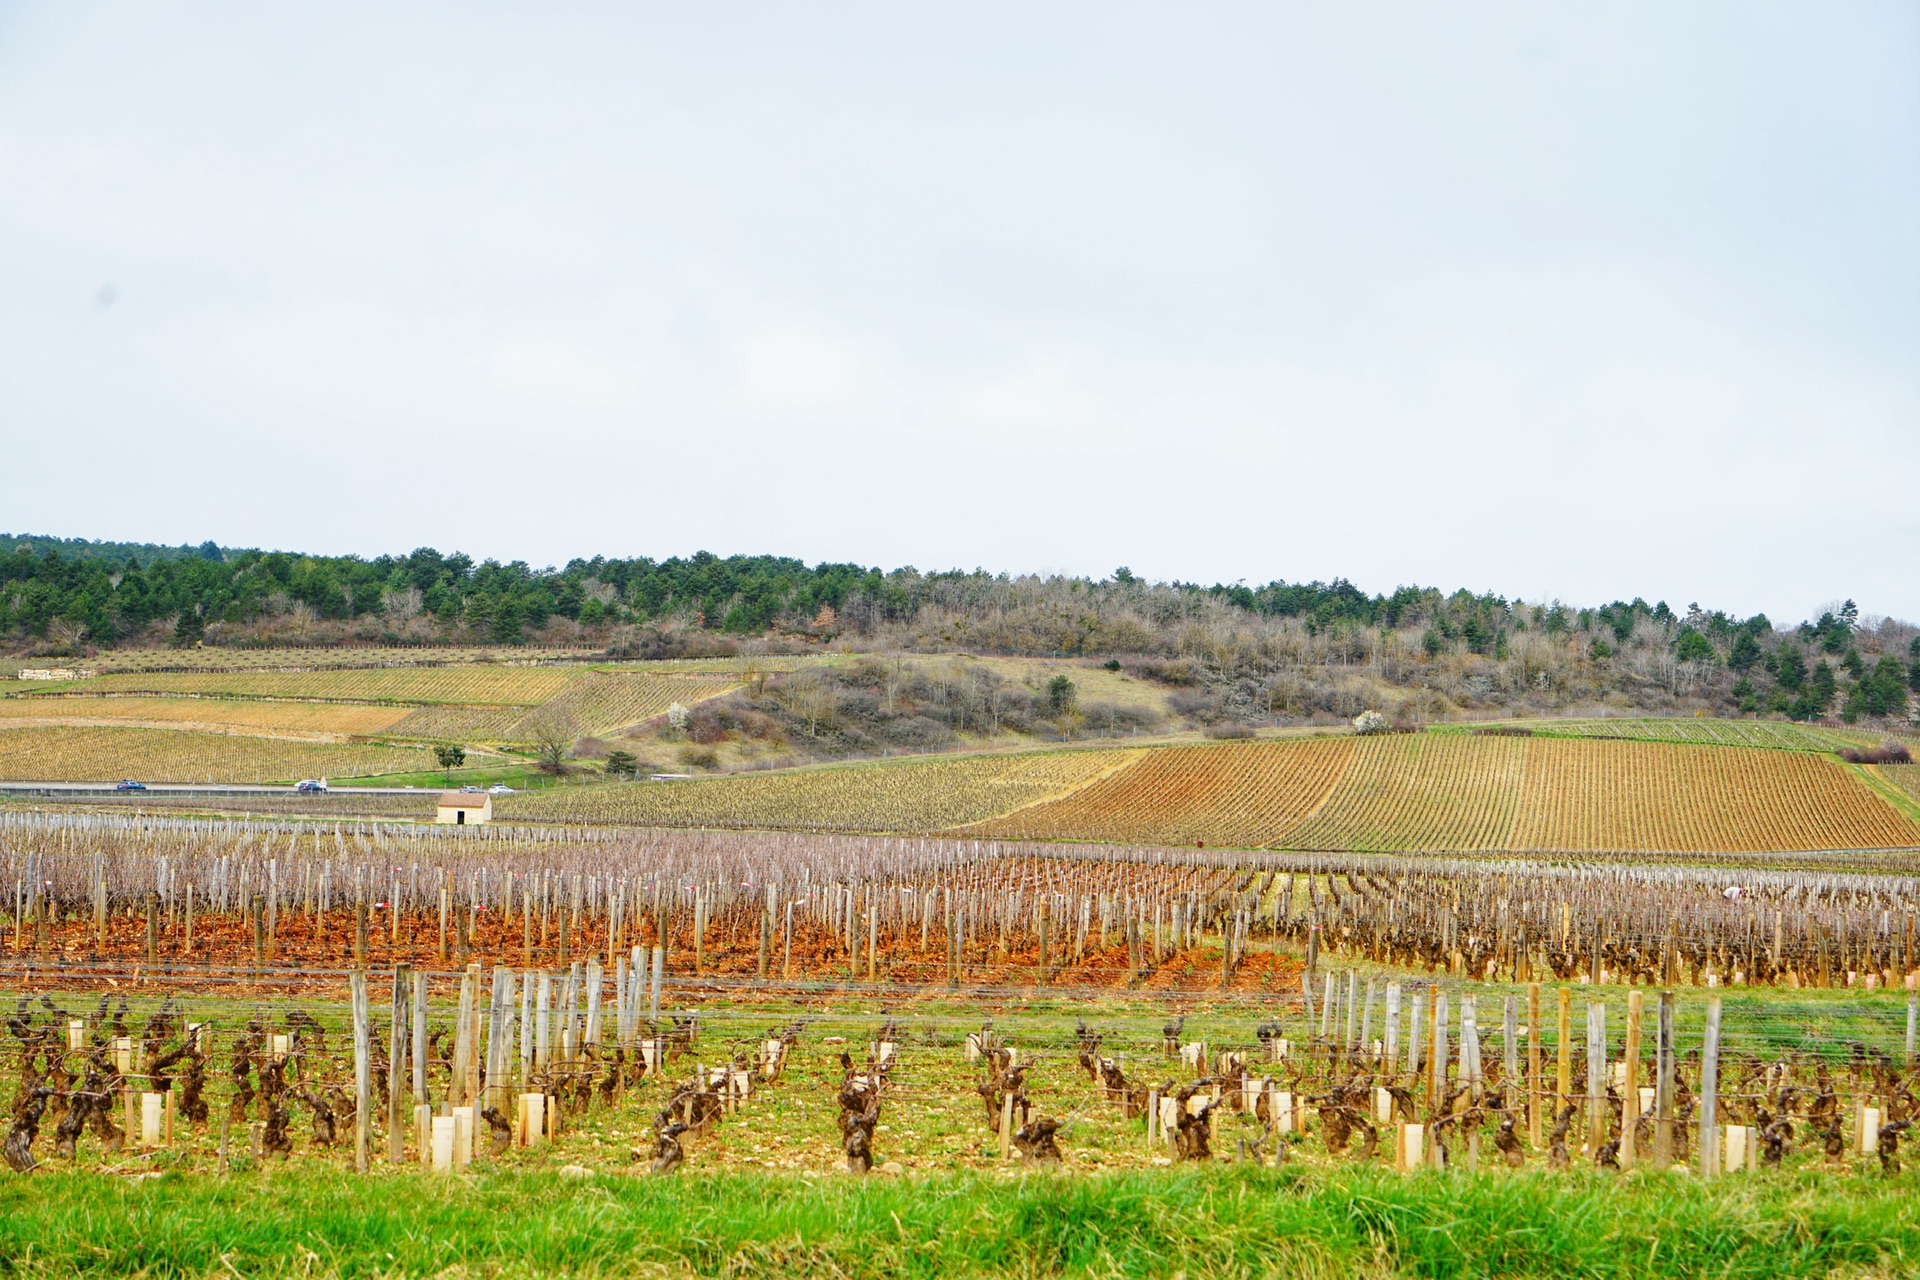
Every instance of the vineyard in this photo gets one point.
(1768, 734)
(1422, 792)
(107, 754)
(1697, 799)
(289, 718)
(912, 795)
(470, 704)
(1228, 795)
(218, 1000)
(1904, 776)
(232, 894)
(489, 685)
(327, 658)
(597, 702)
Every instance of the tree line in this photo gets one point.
(1245, 647)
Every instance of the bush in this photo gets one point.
(1889, 752)
(1203, 707)
(699, 757)
(1175, 671)
(1368, 722)
(1229, 731)
(706, 725)
(1113, 718)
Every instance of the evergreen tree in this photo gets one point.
(188, 630)
(1693, 647)
(1883, 693)
(1817, 697)
(1060, 695)
(1790, 669)
(1743, 696)
(1746, 652)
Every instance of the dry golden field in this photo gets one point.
(475, 703)
(106, 754)
(293, 719)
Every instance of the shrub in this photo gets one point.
(1228, 730)
(1197, 706)
(1111, 717)
(1370, 722)
(700, 757)
(1175, 671)
(707, 725)
(1060, 695)
(1888, 752)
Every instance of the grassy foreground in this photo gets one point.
(1221, 1222)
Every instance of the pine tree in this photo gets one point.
(1746, 652)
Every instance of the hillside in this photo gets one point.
(1284, 653)
(1421, 792)
(285, 717)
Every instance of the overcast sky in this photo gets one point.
(1560, 300)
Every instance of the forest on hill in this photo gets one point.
(1278, 653)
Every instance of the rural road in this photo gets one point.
(201, 789)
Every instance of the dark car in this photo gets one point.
(310, 787)
(128, 784)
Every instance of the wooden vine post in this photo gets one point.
(1042, 981)
(766, 935)
(1596, 1118)
(362, 1072)
(1913, 1013)
(1630, 1094)
(419, 1056)
(1710, 1092)
(1663, 1100)
(1537, 1083)
(397, 1062)
(1563, 1084)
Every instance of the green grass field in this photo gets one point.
(1218, 1222)
(762, 1194)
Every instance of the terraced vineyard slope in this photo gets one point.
(1413, 793)
(1626, 795)
(1239, 794)
(1421, 791)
